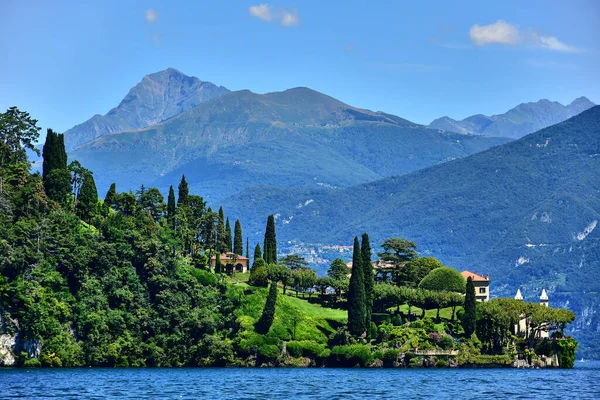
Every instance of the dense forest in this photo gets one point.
(128, 281)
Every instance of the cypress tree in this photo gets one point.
(368, 275)
(55, 175)
(266, 319)
(247, 249)
(257, 252)
(218, 263)
(228, 242)
(171, 203)
(469, 319)
(184, 192)
(356, 294)
(270, 244)
(238, 240)
(110, 200)
(88, 197)
(221, 239)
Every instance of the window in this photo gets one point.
(481, 290)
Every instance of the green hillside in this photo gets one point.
(296, 138)
(525, 213)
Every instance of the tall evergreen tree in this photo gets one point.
(88, 198)
(228, 242)
(247, 249)
(55, 175)
(369, 278)
(268, 315)
(469, 319)
(356, 294)
(238, 239)
(184, 192)
(270, 244)
(110, 200)
(257, 252)
(221, 237)
(171, 203)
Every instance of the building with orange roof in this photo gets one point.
(481, 283)
(231, 262)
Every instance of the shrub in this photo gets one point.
(444, 278)
(446, 342)
(415, 362)
(381, 318)
(307, 348)
(269, 351)
(258, 277)
(441, 364)
(435, 338)
(390, 356)
(353, 355)
(204, 277)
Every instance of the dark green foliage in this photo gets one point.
(566, 352)
(413, 271)
(171, 205)
(270, 243)
(257, 252)
(469, 318)
(247, 247)
(356, 294)
(238, 239)
(184, 192)
(18, 133)
(268, 315)
(444, 278)
(338, 269)
(111, 198)
(368, 276)
(221, 234)
(293, 261)
(228, 241)
(88, 198)
(258, 276)
(57, 180)
(152, 201)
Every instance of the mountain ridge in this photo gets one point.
(520, 120)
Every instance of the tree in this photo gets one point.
(258, 275)
(369, 277)
(218, 265)
(153, 201)
(238, 239)
(184, 192)
(303, 279)
(257, 252)
(356, 294)
(279, 273)
(88, 198)
(56, 176)
(338, 269)
(444, 278)
(416, 269)
(270, 244)
(293, 261)
(398, 251)
(221, 235)
(247, 247)
(171, 203)
(469, 319)
(18, 133)
(78, 173)
(111, 198)
(268, 315)
(228, 242)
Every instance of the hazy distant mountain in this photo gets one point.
(517, 122)
(157, 97)
(526, 212)
(295, 138)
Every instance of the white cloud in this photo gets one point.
(289, 19)
(263, 12)
(269, 13)
(500, 32)
(151, 15)
(552, 43)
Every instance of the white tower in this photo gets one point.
(544, 298)
(518, 296)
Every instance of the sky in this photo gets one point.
(64, 61)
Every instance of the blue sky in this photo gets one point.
(65, 61)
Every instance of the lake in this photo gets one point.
(267, 383)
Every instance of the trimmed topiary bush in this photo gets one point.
(444, 278)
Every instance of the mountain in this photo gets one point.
(295, 138)
(517, 122)
(526, 212)
(157, 97)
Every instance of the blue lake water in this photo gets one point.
(583, 382)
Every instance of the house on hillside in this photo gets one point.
(381, 268)
(481, 283)
(231, 261)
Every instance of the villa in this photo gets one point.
(481, 283)
(230, 261)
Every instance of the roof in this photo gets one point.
(466, 274)
(518, 296)
(229, 256)
(544, 295)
